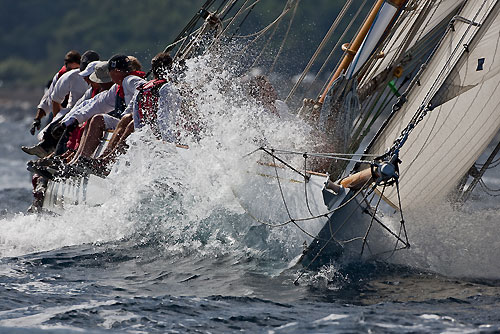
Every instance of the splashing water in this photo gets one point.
(181, 199)
(451, 242)
(183, 202)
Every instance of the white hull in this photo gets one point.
(89, 190)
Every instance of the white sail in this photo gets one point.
(424, 16)
(464, 78)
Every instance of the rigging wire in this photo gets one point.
(332, 52)
(365, 238)
(332, 235)
(305, 185)
(284, 38)
(262, 32)
(328, 35)
(238, 13)
(271, 36)
(250, 9)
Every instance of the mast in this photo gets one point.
(354, 47)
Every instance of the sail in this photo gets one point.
(416, 24)
(386, 14)
(463, 80)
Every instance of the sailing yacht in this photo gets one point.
(438, 128)
(411, 106)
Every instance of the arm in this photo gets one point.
(61, 89)
(46, 102)
(102, 103)
(37, 121)
(56, 107)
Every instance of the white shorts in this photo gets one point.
(57, 118)
(110, 122)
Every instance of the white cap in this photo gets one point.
(89, 69)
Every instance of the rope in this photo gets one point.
(305, 185)
(269, 26)
(249, 9)
(333, 27)
(402, 226)
(320, 154)
(267, 43)
(262, 32)
(324, 215)
(281, 192)
(190, 26)
(283, 162)
(371, 221)
(488, 189)
(341, 38)
(226, 9)
(332, 234)
(240, 11)
(284, 38)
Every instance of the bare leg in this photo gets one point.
(80, 146)
(92, 138)
(120, 145)
(117, 134)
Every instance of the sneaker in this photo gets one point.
(37, 150)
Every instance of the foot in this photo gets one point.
(93, 166)
(51, 162)
(40, 171)
(68, 171)
(37, 150)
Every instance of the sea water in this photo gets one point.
(170, 250)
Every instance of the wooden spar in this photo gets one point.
(356, 44)
(357, 180)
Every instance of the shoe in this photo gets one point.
(54, 162)
(37, 150)
(40, 171)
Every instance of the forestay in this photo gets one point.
(463, 78)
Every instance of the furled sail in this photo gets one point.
(462, 83)
(386, 14)
(416, 24)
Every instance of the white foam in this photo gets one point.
(187, 200)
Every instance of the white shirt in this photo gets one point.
(103, 102)
(130, 84)
(169, 103)
(86, 96)
(45, 101)
(71, 83)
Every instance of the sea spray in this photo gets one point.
(202, 179)
(181, 199)
(453, 242)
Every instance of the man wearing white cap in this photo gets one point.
(97, 75)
